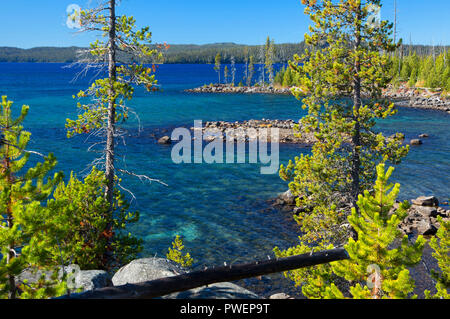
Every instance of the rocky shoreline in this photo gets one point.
(255, 129)
(223, 88)
(403, 96)
(252, 130)
(422, 98)
(422, 216)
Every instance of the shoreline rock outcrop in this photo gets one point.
(422, 216)
(223, 88)
(403, 96)
(422, 98)
(253, 129)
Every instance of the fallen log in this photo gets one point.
(195, 279)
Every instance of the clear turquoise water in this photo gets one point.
(221, 210)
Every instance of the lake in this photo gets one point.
(220, 210)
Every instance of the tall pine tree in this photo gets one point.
(107, 107)
(340, 84)
(340, 81)
(121, 41)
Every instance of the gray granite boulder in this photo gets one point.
(32, 276)
(76, 279)
(425, 227)
(223, 290)
(92, 279)
(280, 296)
(146, 269)
(426, 211)
(430, 201)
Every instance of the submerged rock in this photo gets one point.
(165, 140)
(416, 142)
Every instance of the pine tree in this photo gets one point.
(225, 74)
(377, 229)
(217, 64)
(279, 76)
(441, 246)
(84, 232)
(343, 159)
(379, 258)
(23, 218)
(176, 253)
(109, 95)
(413, 78)
(251, 71)
(347, 150)
(269, 50)
(287, 78)
(107, 107)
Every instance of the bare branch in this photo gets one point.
(142, 178)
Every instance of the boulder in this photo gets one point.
(430, 201)
(416, 142)
(288, 198)
(426, 228)
(81, 279)
(32, 276)
(280, 296)
(423, 135)
(223, 290)
(92, 279)
(146, 269)
(426, 211)
(165, 140)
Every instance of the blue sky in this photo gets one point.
(31, 23)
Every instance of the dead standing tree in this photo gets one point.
(120, 43)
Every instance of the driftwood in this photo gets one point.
(195, 279)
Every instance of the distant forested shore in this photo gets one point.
(187, 53)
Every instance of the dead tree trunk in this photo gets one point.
(111, 128)
(165, 286)
(356, 138)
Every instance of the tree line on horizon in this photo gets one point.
(188, 54)
(416, 71)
